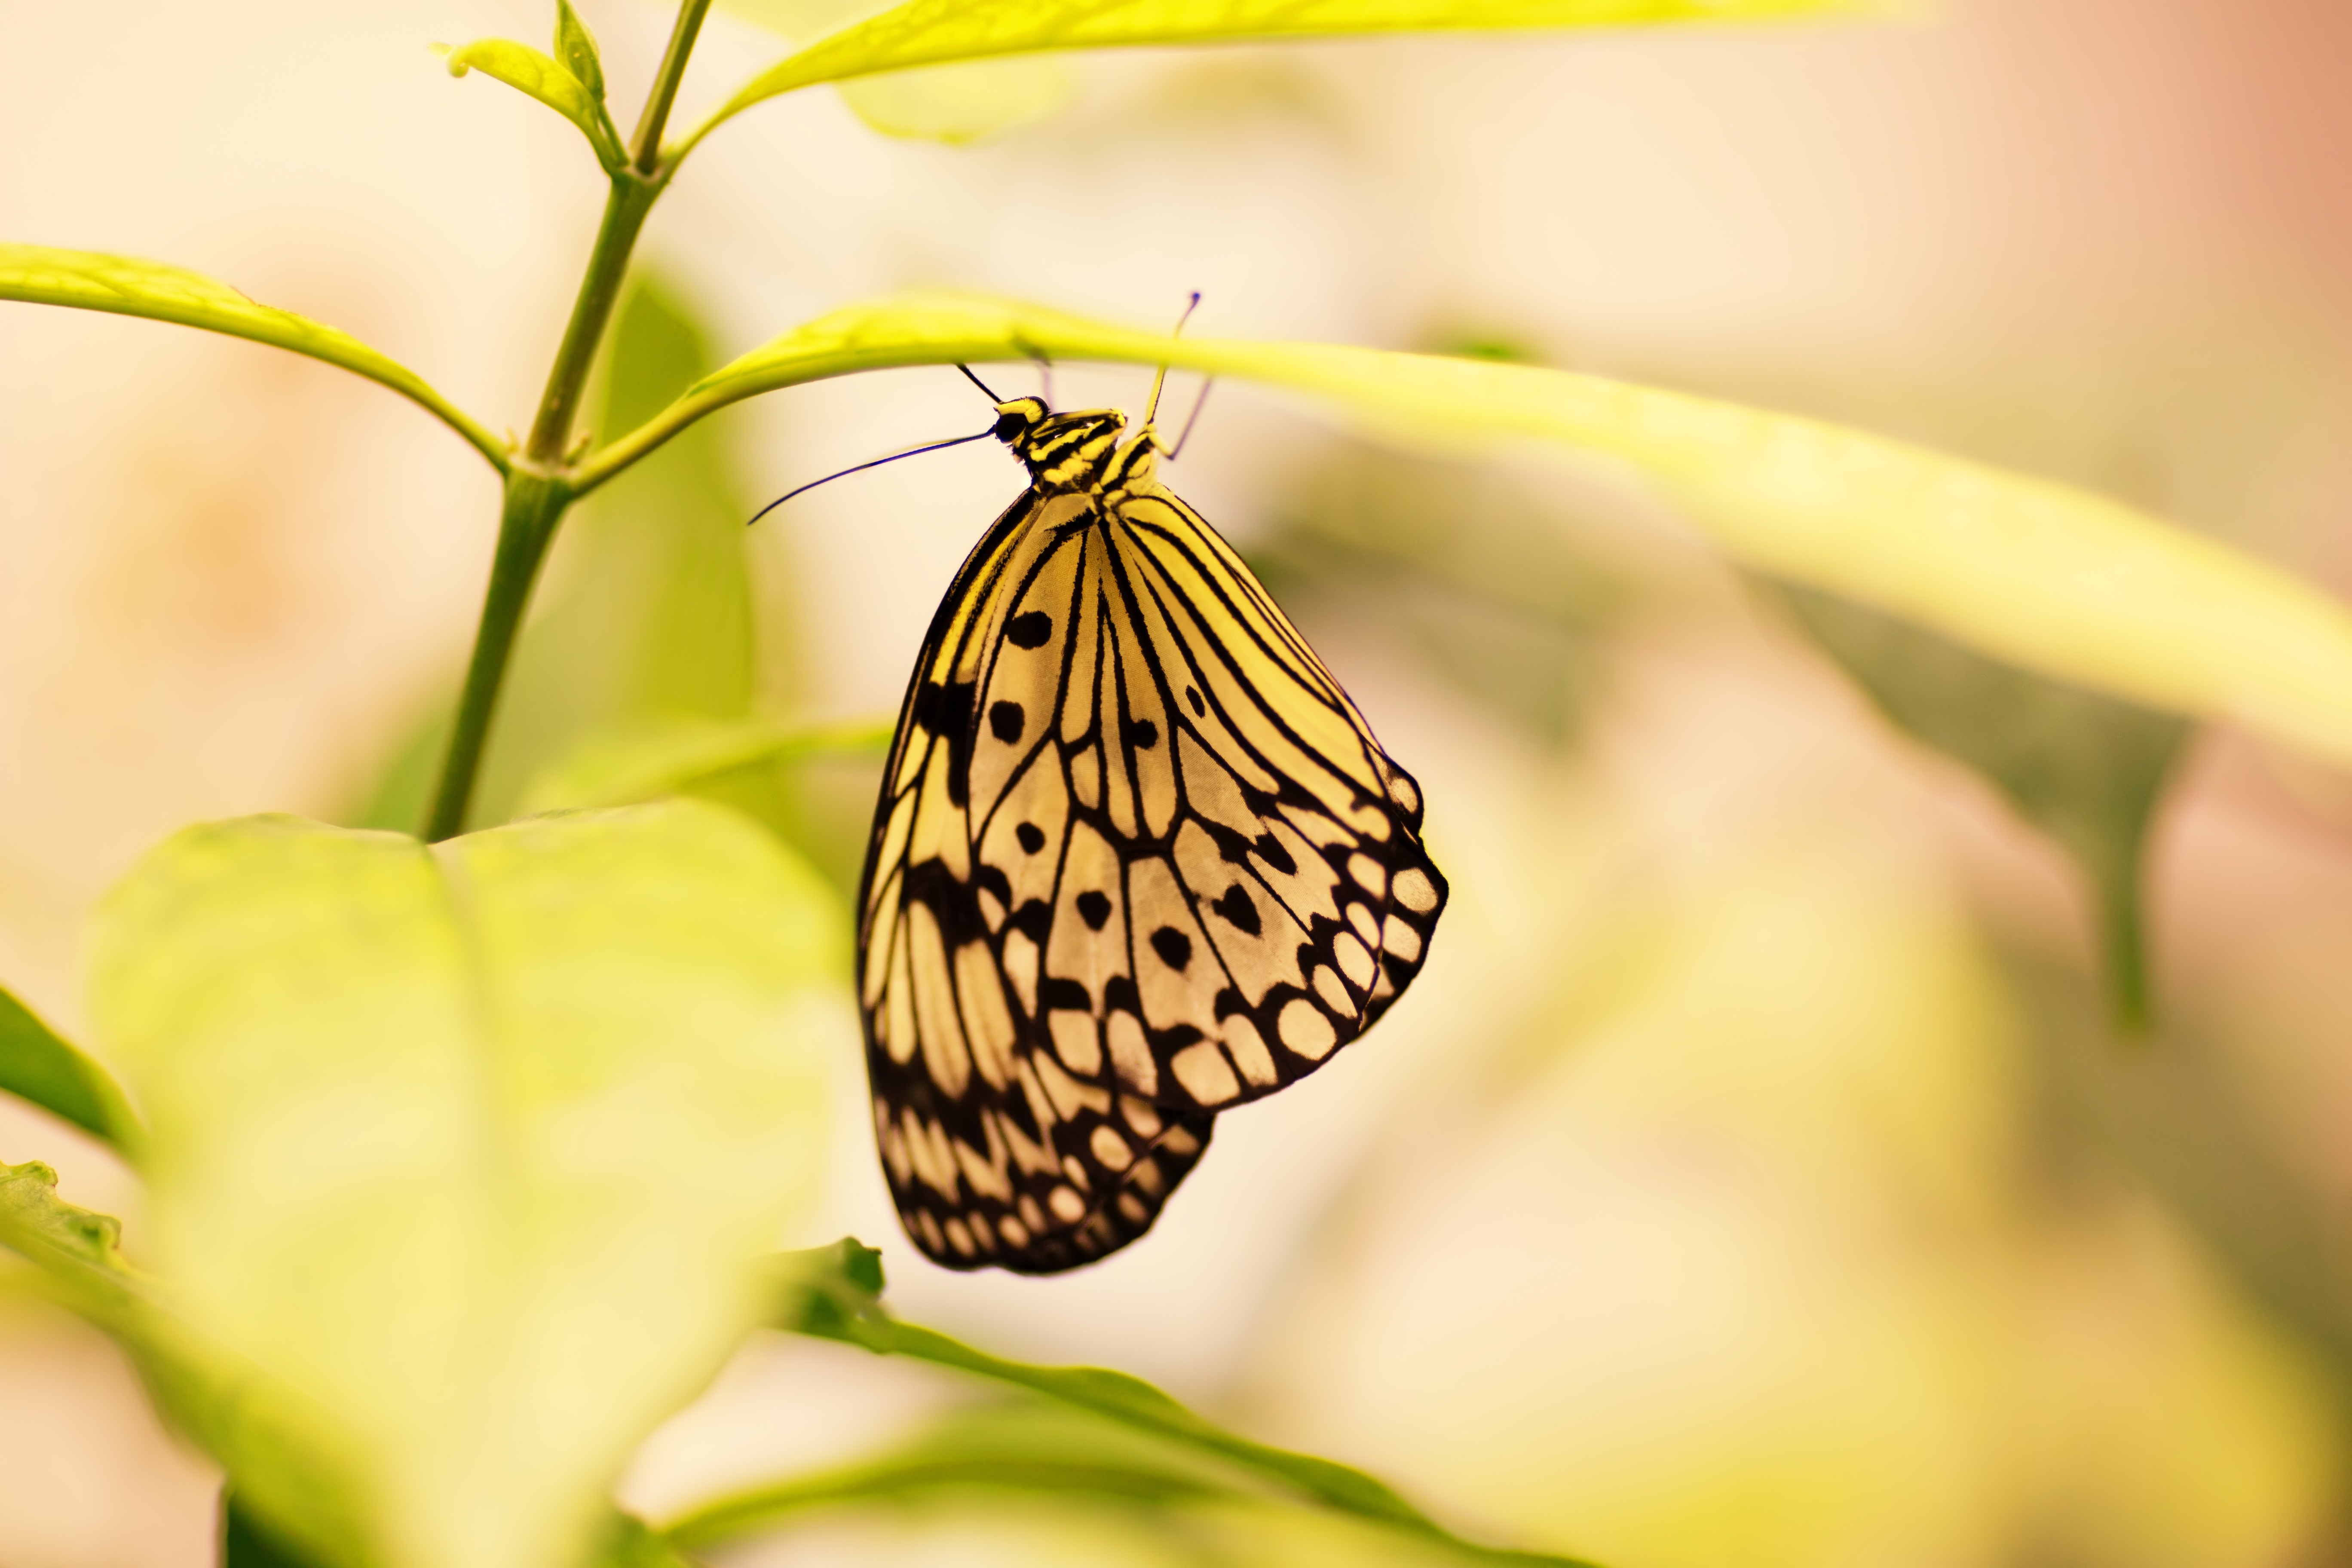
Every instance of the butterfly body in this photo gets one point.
(1137, 859)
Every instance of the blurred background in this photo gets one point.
(1754, 1174)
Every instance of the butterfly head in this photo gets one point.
(1061, 451)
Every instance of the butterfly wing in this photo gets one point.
(995, 1152)
(1287, 900)
(1138, 859)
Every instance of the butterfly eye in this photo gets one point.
(1016, 418)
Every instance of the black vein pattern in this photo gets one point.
(1137, 859)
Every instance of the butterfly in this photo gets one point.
(1138, 859)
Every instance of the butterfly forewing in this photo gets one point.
(1137, 859)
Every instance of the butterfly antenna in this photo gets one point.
(1190, 419)
(909, 452)
(978, 383)
(1161, 379)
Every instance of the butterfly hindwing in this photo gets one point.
(1137, 859)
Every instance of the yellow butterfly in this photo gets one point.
(1137, 859)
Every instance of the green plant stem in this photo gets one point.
(634, 190)
(655, 119)
(534, 504)
(538, 490)
(632, 198)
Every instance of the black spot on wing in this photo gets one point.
(1239, 910)
(1030, 630)
(1067, 995)
(1270, 849)
(945, 709)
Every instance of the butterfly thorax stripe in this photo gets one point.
(1137, 859)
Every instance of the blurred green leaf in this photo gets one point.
(2063, 583)
(952, 103)
(822, 1290)
(961, 104)
(474, 1158)
(930, 32)
(1029, 1448)
(576, 46)
(835, 1294)
(73, 1244)
(629, 1544)
(647, 618)
(528, 71)
(38, 1065)
(245, 1543)
(121, 285)
(2087, 770)
(225, 1402)
(2193, 1126)
(667, 759)
(1505, 602)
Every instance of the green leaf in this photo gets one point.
(122, 286)
(961, 104)
(38, 1065)
(2051, 579)
(1505, 604)
(930, 32)
(2086, 770)
(1029, 1448)
(474, 1144)
(1001, 1458)
(230, 1406)
(629, 1544)
(620, 770)
(957, 105)
(575, 45)
(75, 1246)
(528, 71)
(822, 1290)
(647, 616)
(835, 1294)
(246, 1542)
